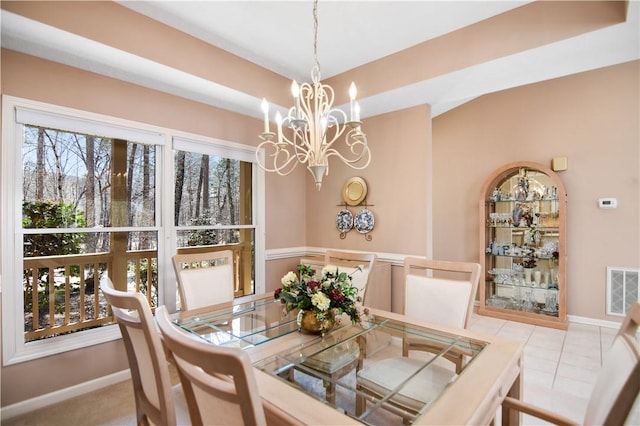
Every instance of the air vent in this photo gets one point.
(622, 290)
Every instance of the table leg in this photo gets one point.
(512, 417)
(330, 391)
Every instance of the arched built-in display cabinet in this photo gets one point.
(523, 245)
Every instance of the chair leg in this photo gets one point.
(288, 375)
(459, 362)
(330, 392)
(361, 403)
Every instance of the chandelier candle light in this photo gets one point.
(314, 126)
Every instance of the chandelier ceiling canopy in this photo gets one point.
(310, 132)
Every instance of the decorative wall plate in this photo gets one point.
(344, 220)
(354, 191)
(364, 221)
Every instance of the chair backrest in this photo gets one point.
(349, 262)
(618, 382)
(439, 291)
(218, 382)
(147, 361)
(204, 278)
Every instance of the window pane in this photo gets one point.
(73, 180)
(211, 190)
(208, 237)
(76, 174)
(60, 289)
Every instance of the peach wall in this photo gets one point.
(397, 181)
(397, 188)
(32, 78)
(536, 24)
(35, 79)
(38, 377)
(155, 41)
(592, 118)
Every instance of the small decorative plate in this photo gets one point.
(344, 221)
(364, 221)
(354, 191)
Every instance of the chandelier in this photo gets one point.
(310, 132)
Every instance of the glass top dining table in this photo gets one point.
(362, 373)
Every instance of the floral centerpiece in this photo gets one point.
(326, 298)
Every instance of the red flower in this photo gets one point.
(276, 294)
(335, 294)
(313, 285)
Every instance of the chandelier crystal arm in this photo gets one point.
(311, 130)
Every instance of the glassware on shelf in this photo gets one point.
(534, 301)
(516, 300)
(551, 302)
(527, 304)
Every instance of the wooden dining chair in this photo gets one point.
(438, 292)
(204, 278)
(352, 261)
(218, 381)
(615, 390)
(157, 400)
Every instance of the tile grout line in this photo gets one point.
(555, 373)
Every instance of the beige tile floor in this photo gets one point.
(560, 368)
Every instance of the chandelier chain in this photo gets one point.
(316, 63)
(309, 132)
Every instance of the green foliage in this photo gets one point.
(46, 214)
(203, 237)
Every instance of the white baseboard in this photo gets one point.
(583, 320)
(592, 321)
(42, 401)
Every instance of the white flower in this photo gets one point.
(329, 269)
(320, 301)
(289, 278)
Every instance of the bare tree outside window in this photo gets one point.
(67, 183)
(209, 195)
(99, 192)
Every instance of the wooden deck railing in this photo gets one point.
(61, 293)
(143, 264)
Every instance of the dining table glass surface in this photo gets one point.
(358, 369)
(325, 368)
(242, 325)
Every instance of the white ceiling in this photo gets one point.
(278, 35)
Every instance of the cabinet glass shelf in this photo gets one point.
(529, 256)
(523, 228)
(522, 201)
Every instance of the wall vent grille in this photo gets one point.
(622, 290)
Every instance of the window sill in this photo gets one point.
(71, 342)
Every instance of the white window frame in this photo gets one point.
(14, 349)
